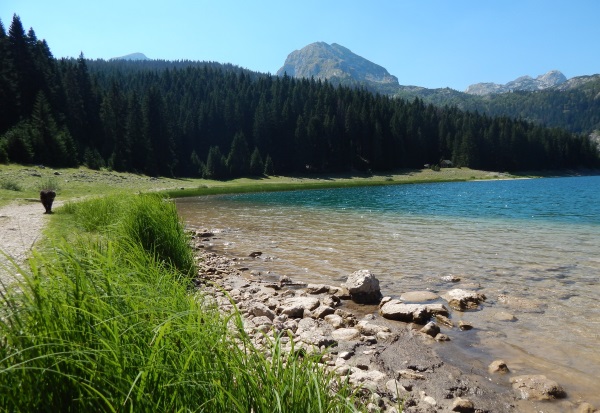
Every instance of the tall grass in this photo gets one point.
(103, 322)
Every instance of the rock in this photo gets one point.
(410, 375)
(262, 323)
(431, 329)
(384, 300)
(346, 334)
(293, 311)
(335, 320)
(345, 355)
(428, 399)
(442, 337)
(285, 280)
(309, 332)
(370, 329)
(331, 300)
(461, 300)
(585, 408)
(450, 279)
(317, 288)
(537, 387)
(259, 309)
(255, 254)
(308, 303)
(396, 389)
(444, 320)
(322, 311)
(463, 325)
(396, 310)
(498, 366)
(504, 316)
(363, 287)
(522, 304)
(463, 406)
(361, 376)
(204, 234)
(383, 335)
(437, 309)
(418, 296)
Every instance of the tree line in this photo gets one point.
(221, 121)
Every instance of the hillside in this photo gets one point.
(573, 105)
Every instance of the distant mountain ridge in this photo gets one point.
(338, 65)
(524, 83)
(132, 56)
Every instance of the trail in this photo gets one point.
(21, 226)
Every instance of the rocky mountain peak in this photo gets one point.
(526, 83)
(338, 65)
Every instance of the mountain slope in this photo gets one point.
(338, 65)
(132, 56)
(524, 83)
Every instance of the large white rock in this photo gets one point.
(345, 334)
(363, 287)
(409, 313)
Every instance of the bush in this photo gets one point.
(49, 183)
(11, 185)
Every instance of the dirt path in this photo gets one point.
(21, 226)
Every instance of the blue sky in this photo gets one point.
(430, 43)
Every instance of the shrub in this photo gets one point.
(49, 183)
(10, 185)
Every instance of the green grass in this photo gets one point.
(77, 183)
(105, 320)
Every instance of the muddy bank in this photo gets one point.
(396, 359)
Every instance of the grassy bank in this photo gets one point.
(105, 319)
(23, 183)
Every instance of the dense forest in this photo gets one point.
(221, 121)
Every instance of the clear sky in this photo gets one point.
(430, 43)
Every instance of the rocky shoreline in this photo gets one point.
(393, 349)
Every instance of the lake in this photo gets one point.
(531, 246)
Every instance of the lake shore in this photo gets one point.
(388, 357)
(417, 340)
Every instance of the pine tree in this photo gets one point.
(257, 166)
(238, 160)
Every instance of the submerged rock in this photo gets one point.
(419, 296)
(462, 300)
(498, 366)
(537, 387)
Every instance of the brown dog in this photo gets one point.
(47, 197)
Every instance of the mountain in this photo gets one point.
(524, 83)
(338, 65)
(132, 56)
(573, 104)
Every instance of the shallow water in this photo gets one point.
(536, 242)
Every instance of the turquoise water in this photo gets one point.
(532, 246)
